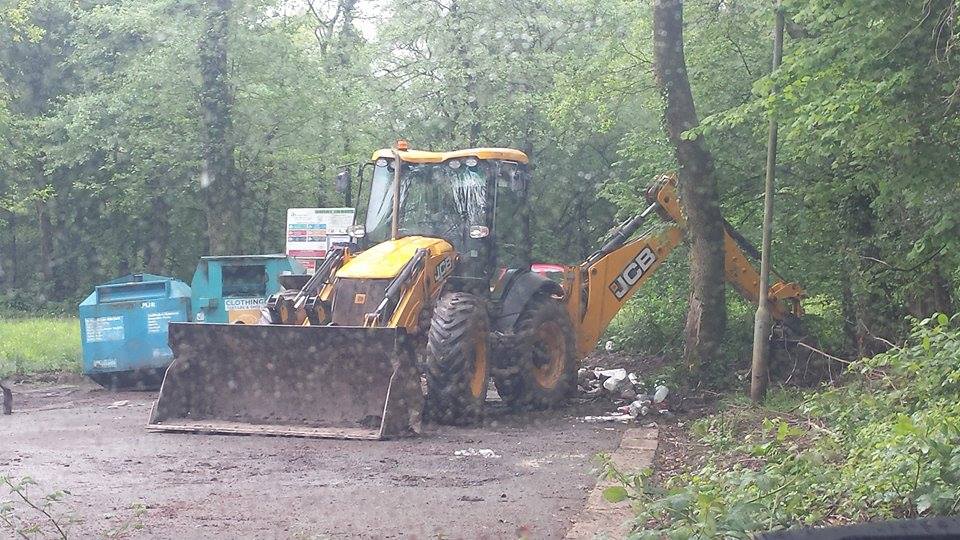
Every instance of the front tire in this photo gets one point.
(545, 372)
(457, 368)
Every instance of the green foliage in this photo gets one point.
(648, 325)
(35, 345)
(881, 446)
(823, 318)
(130, 524)
(101, 131)
(26, 515)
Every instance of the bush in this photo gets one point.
(882, 446)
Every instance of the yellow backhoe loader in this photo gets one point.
(439, 285)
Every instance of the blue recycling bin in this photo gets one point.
(233, 288)
(123, 328)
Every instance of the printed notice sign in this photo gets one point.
(100, 329)
(157, 323)
(313, 231)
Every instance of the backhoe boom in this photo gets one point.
(602, 284)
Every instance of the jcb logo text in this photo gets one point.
(443, 267)
(633, 272)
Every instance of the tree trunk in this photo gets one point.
(931, 295)
(8, 258)
(218, 178)
(46, 243)
(155, 254)
(348, 35)
(469, 79)
(706, 318)
(264, 220)
(848, 310)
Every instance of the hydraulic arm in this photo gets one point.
(600, 286)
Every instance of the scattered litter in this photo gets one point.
(630, 396)
(609, 418)
(474, 452)
(640, 407)
(470, 498)
(536, 463)
(117, 404)
(609, 346)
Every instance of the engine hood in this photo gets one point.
(386, 259)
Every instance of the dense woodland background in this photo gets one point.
(140, 135)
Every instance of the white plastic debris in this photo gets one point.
(609, 346)
(607, 373)
(634, 380)
(608, 418)
(477, 452)
(660, 393)
(117, 404)
(617, 382)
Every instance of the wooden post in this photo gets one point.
(761, 326)
(7, 399)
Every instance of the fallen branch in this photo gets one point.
(828, 355)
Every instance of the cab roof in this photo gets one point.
(421, 156)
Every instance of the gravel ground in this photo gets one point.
(76, 437)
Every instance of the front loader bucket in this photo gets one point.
(305, 381)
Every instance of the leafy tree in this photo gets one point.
(706, 317)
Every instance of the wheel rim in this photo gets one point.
(479, 378)
(549, 353)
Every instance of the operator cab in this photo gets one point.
(472, 198)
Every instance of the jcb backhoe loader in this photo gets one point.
(443, 277)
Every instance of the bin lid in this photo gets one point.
(132, 287)
(137, 278)
(244, 257)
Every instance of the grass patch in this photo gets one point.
(33, 345)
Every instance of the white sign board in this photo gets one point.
(99, 329)
(311, 232)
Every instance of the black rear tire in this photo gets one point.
(544, 375)
(457, 368)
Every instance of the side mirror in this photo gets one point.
(342, 181)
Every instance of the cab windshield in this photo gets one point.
(436, 199)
